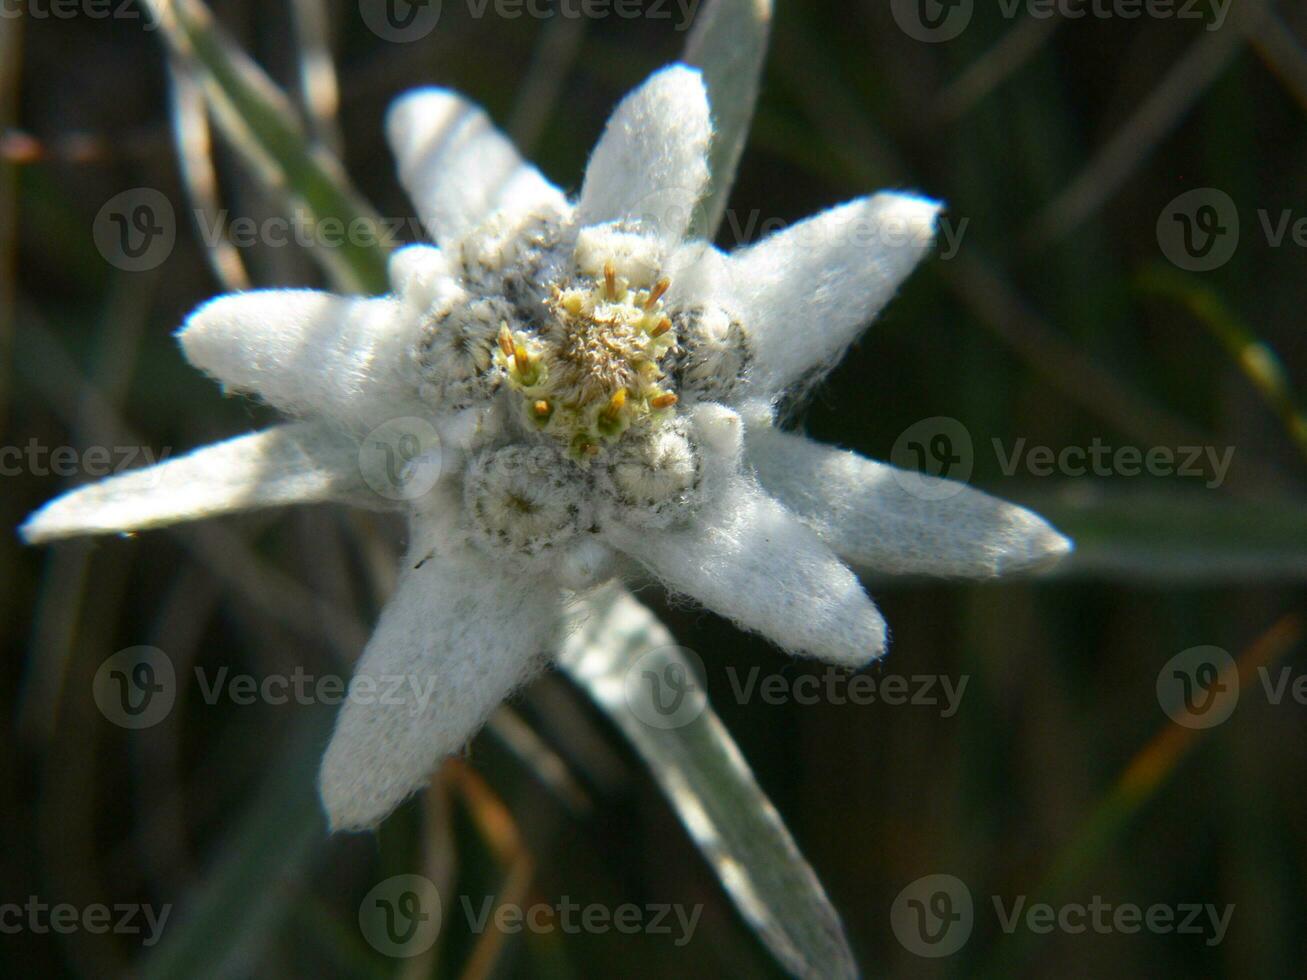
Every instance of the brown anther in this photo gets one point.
(663, 401)
(656, 293)
(610, 280)
(541, 408)
(505, 340)
(522, 359)
(663, 326)
(591, 449)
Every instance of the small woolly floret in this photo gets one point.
(524, 502)
(455, 355)
(714, 355)
(653, 482)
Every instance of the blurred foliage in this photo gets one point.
(1057, 143)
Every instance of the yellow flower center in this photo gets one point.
(592, 371)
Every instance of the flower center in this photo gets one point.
(593, 370)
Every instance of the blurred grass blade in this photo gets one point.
(319, 87)
(237, 909)
(1255, 358)
(712, 790)
(728, 44)
(1148, 770)
(11, 61)
(190, 127)
(261, 124)
(1193, 537)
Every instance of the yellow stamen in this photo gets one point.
(656, 293)
(663, 326)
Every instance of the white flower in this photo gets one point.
(604, 392)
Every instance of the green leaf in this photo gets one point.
(728, 44)
(237, 908)
(1253, 356)
(261, 124)
(1201, 536)
(710, 786)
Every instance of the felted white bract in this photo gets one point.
(560, 392)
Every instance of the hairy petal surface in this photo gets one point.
(299, 463)
(807, 292)
(457, 167)
(310, 353)
(700, 273)
(421, 276)
(885, 520)
(455, 640)
(651, 164)
(752, 561)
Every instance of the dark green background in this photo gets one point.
(1050, 334)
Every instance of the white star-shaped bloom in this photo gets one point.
(563, 392)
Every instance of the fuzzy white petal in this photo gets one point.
(298, 463)
(721, 432)
(457, 167)
(752, 561)
(699, 273)
(310, 353)
(420, 275)
(874, 521)
(455, 640)
(650, 167)
(807, 292)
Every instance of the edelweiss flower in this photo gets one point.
(603, 391)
